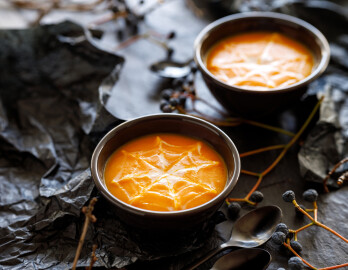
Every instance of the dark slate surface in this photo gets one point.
(51, 116)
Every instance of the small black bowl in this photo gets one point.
(165, 123)
(250, 102)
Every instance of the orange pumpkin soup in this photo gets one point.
(165, 172)
(259, 60)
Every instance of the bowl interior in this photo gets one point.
(163, 123)
(263, 21)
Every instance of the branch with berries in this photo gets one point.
(288, 238)
(254, 197)
(176, 99)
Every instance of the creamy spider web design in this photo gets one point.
(260, 60)
(168, 177)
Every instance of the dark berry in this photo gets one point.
(167, 108)
(178, 82)
(190, 83)
(173, 101)
(128, 20)
(233, 209)
(167, 93)
(141, 2)
(194, 69)
(296, 246)
(120, 34)
(295, 263)
(115, 9)
(310, 195)
(278, 238)
(290, 235)
(219, 217)
(298, 212)
(141, 17)
(282, 227)
(163, 103)
(170, 52)
(256, 197)
(134, 29)
(182, 100)
(171, 35)
(289, 196)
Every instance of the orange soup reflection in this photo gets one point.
(260, 60)
(165, 172)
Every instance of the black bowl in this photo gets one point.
(250, 102)
(165, 123)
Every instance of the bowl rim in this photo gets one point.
(323, 43)
(139, 211)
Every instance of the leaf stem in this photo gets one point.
(331, 230)
(261, 150)
(334, 267)
(304, 227)
(265, 126)
(295, 253)
(250, 173)
(254, 187)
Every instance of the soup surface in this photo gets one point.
(259, 60)
(165, 172)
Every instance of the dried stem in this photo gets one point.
(88, 211)
(265, 126)
(302, 228)
(295, 253)
(108, 18)
(261, 150)
(45, 7)
(93, 258)
(280, 156)
(315, 222)
(334, 267)
(331, 172)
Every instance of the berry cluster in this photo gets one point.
(129, 20)
(283, 236)
(234, 208)
(174, 98)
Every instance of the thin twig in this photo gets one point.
(93, 258)
(88, 211)
(331, 172)
(282, 154)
